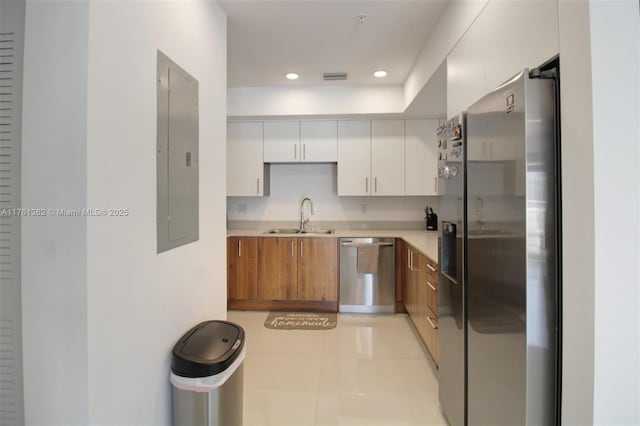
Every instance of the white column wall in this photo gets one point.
(54, 175)
(141, 302)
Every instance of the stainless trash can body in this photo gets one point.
(207, 375)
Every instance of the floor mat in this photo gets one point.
(301, 321)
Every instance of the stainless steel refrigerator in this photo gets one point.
(499, 274)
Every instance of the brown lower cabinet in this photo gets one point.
(420, 297)
(242, 268)
(290, 274)
(318, 269)
(277, 269)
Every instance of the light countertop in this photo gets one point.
(424, 241)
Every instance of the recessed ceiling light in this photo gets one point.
(292, 76)
(380, 73)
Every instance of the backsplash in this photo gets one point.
(290, 183)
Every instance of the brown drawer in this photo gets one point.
(432, 336)
(431, 289)
(431, 269)
(427, 327)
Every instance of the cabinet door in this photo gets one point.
(401, 269)
(431, 282)
(242, 268)
(354, 157)
(277, 268)
(466, 69)
(411, 294)
(387, 157)
(319, 141)
(506, 56)
(282, 142)
(421, 157)
(318, 269)
(245, 164)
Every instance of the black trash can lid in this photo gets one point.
(208, 348)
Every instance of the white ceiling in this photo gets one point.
(267, 39)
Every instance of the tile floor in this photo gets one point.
(369, 370)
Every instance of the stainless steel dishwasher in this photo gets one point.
(374, 291)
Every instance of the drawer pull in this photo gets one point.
(431, 286)
(435, 327)
(431, 267)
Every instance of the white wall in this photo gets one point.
(101, 309)
(314, 100)
(290, 183)
(599, 60)
(141, 302)
(615, 69)
(54, 309)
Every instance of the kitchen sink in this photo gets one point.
(283, 231)
(319, 231)
(297, 231)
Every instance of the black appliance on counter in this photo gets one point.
(431, 219)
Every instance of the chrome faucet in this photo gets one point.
(303, 222)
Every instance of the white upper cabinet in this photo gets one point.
(354, 157)
(421, 157)
(282, 142)
(387, 157)
(245, 167)
(532, 40)
(505, 38)
(295, 141)
(319, 141)
(466, 70)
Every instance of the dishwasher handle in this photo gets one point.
(352, 244)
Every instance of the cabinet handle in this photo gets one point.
(258, 186)
(410, 259)
(239, 248)
(431, 267)
(431, 285)
(304, 151)
(366, 185)
(375, 185)
(435, 327)
(295, 152)
(292, 249)
(435, 185)
(301, 248)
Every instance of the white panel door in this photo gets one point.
(533, 41)
(245, 166)
(354, 157)
(421, 157)
(466, 69)
(387, 157)
(282, 142)
(319, 141)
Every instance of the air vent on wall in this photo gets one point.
(330, 76)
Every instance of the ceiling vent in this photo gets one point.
(330, 76)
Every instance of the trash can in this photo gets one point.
(206, 374)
